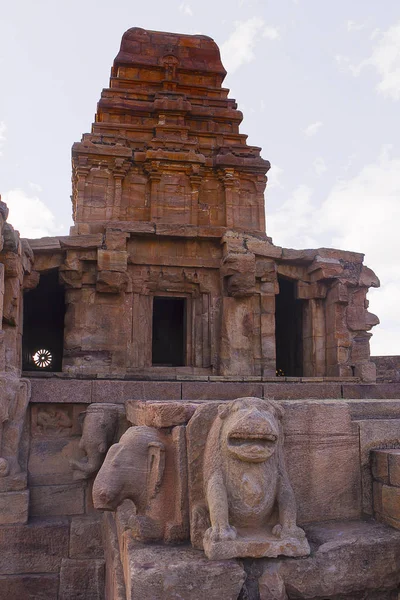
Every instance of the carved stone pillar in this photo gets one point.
(195, 182)
(154, 177)
(120, 170)
(79, 180)
(232, 186)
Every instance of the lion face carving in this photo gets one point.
(250, 430)
(247, 492)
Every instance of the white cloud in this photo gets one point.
(354, 26)
(30, 216)
(312, 129)
(271, 33)
(290, 224)
(186, 9)
(35, 187)
(385, 59)
(319, 166)
(360, 214)
(274, 177)
(2, 135)
(239, 47)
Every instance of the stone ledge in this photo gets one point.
(360, 567)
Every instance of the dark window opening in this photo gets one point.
(288, 330)
(169, 331)
(43, 333)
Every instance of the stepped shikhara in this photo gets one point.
(204, 386)
(165, 147)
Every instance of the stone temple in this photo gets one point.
(187, 410)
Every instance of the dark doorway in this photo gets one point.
(43, 332)
(169, 331)
(288, 330)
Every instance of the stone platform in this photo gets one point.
(57, 388)
(343, 564)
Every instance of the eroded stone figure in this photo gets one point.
(134, 470)
(250, 500)
(100, 426)
(14, 398)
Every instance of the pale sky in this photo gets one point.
(318, 82)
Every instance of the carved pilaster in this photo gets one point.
(232, 186)
(120, 170)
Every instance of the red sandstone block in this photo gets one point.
(120, 391)
(220, 391)
(377, 497)
(380, 465)
(81, 579)
(54, 500)
(86, 538)
(391, 502)
(29, 587)
(374, 391)
(394, 466)
(294, 391)
(159, 414)
(34, 548)
(61, 390)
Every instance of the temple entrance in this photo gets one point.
(43, 325)
(169, 331)
(288, 330)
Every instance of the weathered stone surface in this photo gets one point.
(49, 460)
(29, 587)
(159, 572)
(220, 391)
(14, 398)
(344, 562)
(159, 414)
(115, 583)
(120, 391)
(86, 538)
(81, 580)
(148, 467)
(100, 428)
(294, 391)
(374, 433)
(54, 500)
(319, 434)
(112, 260)
(271, 585)
(374, 391)
(61, 390)
(111, 282)
(14, 507)
(388, 367)
(380, 465)
(241, 500)
(34, 548)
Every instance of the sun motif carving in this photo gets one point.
(42, 358)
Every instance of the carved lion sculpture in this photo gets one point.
(245, 479)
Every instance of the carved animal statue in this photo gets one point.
(133, 469)
(99, 429)
(246, 483)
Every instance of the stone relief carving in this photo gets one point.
(100, 427)
(134, 470)
(147, 467)
(14, 398)
(52, 419)
(251, 504)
